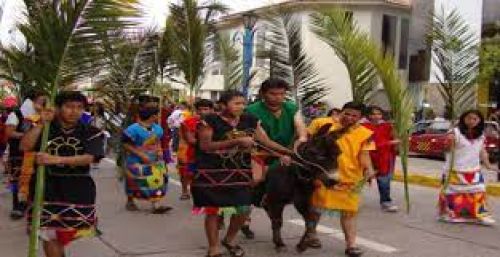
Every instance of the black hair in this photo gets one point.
(273, 83)
(354, 106)
(330, 112)
(33, 95)
(370, 109)
(70, 96)
(477, 131)
(203, 103)
(228, 95)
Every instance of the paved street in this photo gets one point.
(179, 234)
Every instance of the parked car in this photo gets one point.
(429, 138)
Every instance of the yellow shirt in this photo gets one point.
(352, 143)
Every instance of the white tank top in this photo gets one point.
(467, 153)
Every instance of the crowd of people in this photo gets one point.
(223, 153)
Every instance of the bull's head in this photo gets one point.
(318, 156)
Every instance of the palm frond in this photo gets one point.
(341, 33)
(455, 53)
(289, 60)
(189, 27)
(232, 69)
(64, 39)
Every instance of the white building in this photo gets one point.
(386, 21)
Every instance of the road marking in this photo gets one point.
(338, 234)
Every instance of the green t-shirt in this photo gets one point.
(279, 129)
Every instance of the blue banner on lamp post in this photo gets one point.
(249, 21)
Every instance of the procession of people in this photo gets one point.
(224, 153)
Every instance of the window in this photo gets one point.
(214, 95)
(389, 34)
(403, 45)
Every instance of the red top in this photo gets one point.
(187, 152)
(383, 157)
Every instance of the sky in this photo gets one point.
(155, 13)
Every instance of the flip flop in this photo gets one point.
(353, 252)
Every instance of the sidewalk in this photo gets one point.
(427, 172)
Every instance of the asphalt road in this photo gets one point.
(179, 234)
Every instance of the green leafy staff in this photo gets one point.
(367, 65)
(64, 39)
(455, 52)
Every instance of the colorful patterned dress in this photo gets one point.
(222, 183)
(464, 199)
(343, 197)
(68, 210)
(145, 181)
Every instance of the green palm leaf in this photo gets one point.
(341, 33)
(232, 69)
(289, 60)
(65, 38)
(366, 66)
(455, 53)
(189, 26)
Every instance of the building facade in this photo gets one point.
(386, 21)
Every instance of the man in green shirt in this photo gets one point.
(281, 120)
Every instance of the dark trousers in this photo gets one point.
(384, 188)
(175, 140)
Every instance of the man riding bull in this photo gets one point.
(283, 123)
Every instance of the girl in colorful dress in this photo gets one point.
(463, 195)
(146, 176)
(222, 183)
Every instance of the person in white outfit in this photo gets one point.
(463, 195)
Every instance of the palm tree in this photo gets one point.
(65, 41)
(366, 65)
(189, 26)
(289, 60)
(337, 28)
(455, 53)
(232, 68)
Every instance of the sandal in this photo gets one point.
(161, 210)
(353, 252)
(131, 206)
(234, 250)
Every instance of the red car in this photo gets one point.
(429, 137)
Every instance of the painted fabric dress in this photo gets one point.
(222, 183)
(68, 210)
(464, 199)
(145, 181)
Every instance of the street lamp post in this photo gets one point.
(249, 21)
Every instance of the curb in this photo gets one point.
(428, 181)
